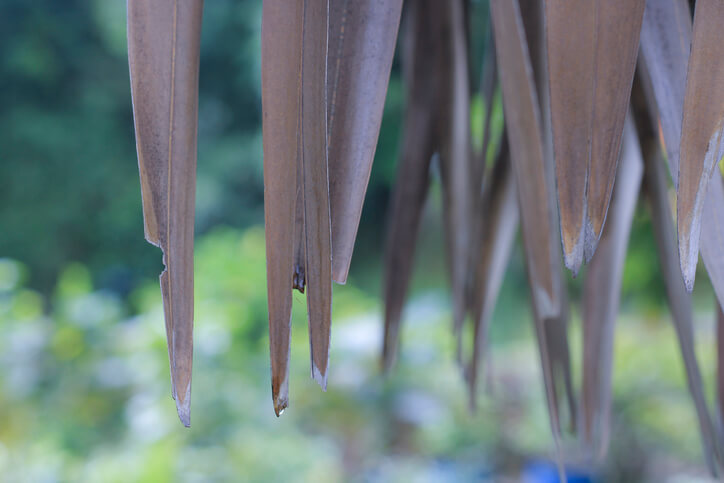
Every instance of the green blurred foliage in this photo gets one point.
(85, 391)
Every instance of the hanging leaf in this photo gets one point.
(499, 204)
(533, 15)
(678, 298)
(712, 234)
(318, 266)
(554, 335)
(281, 41)
(488, 86)
(362, 37)
(571, 42)
(455, 150)
(163, 52)
(299, 280)
(522, 120)
(592, 51)
(478, 194)
(601, 295)
(665, 43)
(702, 134)
(617, 44)
(421, 56)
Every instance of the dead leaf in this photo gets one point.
(571, 42)
(601, 295)
(281, 43)
(665, 44)
(362, 37)
(163, 51)
(453, 126)
(592, 51)
(678, 298)
(702, 134)
(617, 46)
(523, 125)
(421, 53)
(318, 265)
(522, 120)
(499, 204)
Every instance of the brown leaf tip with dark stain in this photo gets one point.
(299, 280)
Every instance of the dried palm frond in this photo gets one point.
(601, 295)
(323, 88)
(702, 130)
(163, 50)
(499, 203)
(678, 298)
(566, 70)
(282, 29)
(536, 195)
(362, 38)
(436, 122)
(420, 56)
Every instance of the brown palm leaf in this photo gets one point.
(523, 125)
(499, 204)
(299, 280)
(163, 50)
(318, 243)
(480, 196)
(571, 41)
(592, 55)
(617, 45)
(488, 86)
(702, 134)
(601, 295)
(281, 42)
(453, 127)
(678, 298)
(362, 37)
(712, 234)
(421, 54)
(665, 44)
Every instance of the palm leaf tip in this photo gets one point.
(358, 74)
(702, 133)
(317, 230)
(183, 407)
(280, 395)
(281, 41)
(163, 49)
(618, 31)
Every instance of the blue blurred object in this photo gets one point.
(547, 472)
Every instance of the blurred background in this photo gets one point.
(84, 377)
